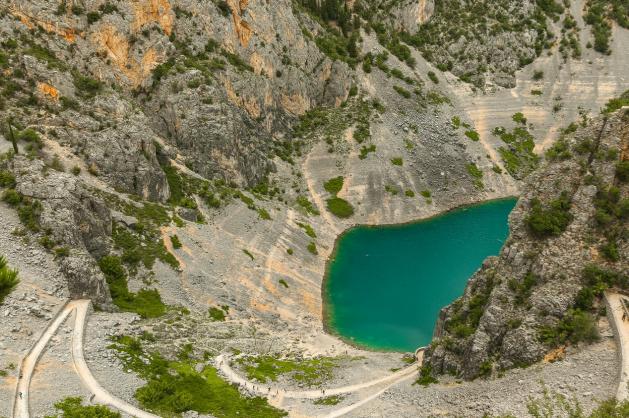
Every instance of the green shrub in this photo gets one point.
(559, 151)
(283, 283)
(524, 288)
(622, 171)
(334, 185)
(174, 239)
(312, 248)
(307, 205)
(76, 170)
(12, 197)
(473, 135)
(538, 75)
(8, 279)
(173, 387)
(476, 174)
(248, 254)
(308, 229)
(552, 220)
(217, 314)
(86, 86)
(433, 77)
(7, 179)
(397, 161)
(402, 92)
(146, 303)
(425, 376)
(339, 207)
(365, 150)
(576, 326)
(72, 407)
(409, 193)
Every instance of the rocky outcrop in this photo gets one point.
(72, 218)
(535, 280)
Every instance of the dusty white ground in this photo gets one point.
(267, 317)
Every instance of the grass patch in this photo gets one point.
(311, 372)
(397, 161)
(72, 407)
(476, 174)
(146, 303)
(175, 386)
(8, 279)
(329, 400)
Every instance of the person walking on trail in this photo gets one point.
(20, 393)
(92, 397)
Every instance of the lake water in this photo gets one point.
(385, 285)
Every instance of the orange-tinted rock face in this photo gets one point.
(116, 45)
(69, 34)
(147, 11)
(48, 91)
(242, 28)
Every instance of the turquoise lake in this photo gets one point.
(385, 285)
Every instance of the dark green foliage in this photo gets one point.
(162, 70)
(518, 156)
(146, 303)
(217, 314)
(365, 150)
(339, 207)
(433, 77)
(142, 246)
(465, 320)
(72, 408)
(615, 104)
(86, 86)
(522, 289)
(174, 239)
(551, 220)
(397, 161)
(576, 326)
(312, 248)
(308, 229)
(334, 185)
(176, 386)
(7, 179)
(307, 205)
(473, 135)
(12, 197)
(8, 279)
(402, 92)
(622, 171)
(599, 14)
(559, 151)
(476, 174)
(599, 279)
(425, 376)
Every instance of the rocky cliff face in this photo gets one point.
(568, 240)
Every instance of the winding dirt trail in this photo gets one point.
(27, 366)
(278, 395)
(619, 308)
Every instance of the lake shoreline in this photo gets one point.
(327, 309)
